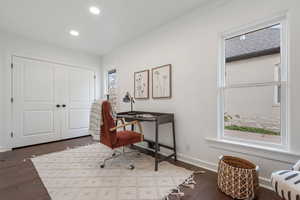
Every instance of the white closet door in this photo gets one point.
(78, 95)
(35, 116)
(51, 101)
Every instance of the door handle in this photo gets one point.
(63, 105)
(57, 106)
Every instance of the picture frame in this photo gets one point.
(141, 84)
(162, 82)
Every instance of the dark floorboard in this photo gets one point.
(20, 181)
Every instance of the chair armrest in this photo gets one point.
(120, 119)
(128, 124)
(122, 122)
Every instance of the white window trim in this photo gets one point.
(283, 20)
(276, 87)
(268, 153)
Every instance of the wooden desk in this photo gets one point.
(157, 118)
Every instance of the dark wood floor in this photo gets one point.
(20, 181)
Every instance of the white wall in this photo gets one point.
(191, 45)
(14, 45)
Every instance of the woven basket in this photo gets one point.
(237, 177)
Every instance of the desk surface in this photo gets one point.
(146, 116)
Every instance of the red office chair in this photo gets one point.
(114, 139)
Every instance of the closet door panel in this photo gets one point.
(34, 115)
(51, 101)
(79, 85)
(79, 118)
(81, 93)
(38, 122)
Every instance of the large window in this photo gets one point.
(253, 85)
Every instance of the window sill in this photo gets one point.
(254, 150)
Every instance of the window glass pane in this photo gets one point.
(251, 114)
(112, 79)
(111, 89)
(253, 57)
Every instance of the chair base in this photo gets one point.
(117, 154)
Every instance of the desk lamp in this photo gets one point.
(128, 98)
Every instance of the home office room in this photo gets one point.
(144, 100)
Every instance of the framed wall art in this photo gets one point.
(161, 82)
(141, 84)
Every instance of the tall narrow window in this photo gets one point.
(253, 93)
(112, 88)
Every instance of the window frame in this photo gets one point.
(283, 82)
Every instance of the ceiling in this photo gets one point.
(119, 21)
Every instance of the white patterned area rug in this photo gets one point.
(75, 174)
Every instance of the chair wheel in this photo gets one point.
(102, 166)
(131, 167)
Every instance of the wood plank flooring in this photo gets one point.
(20, 181)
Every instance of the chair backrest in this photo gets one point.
(107, 137)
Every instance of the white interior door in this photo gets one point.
(35, 117)
(51, 101)
(78, 95)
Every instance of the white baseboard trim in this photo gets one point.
(197, 162)
(96, 137)
(264, 182)
(2, 149)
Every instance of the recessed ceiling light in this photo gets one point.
(74, 33)
(94, 10)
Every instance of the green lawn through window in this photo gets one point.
(251, 129)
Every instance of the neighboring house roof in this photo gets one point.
(253, 44)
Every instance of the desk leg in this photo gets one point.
(132, 129)
(174, 140)
(156, 146)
